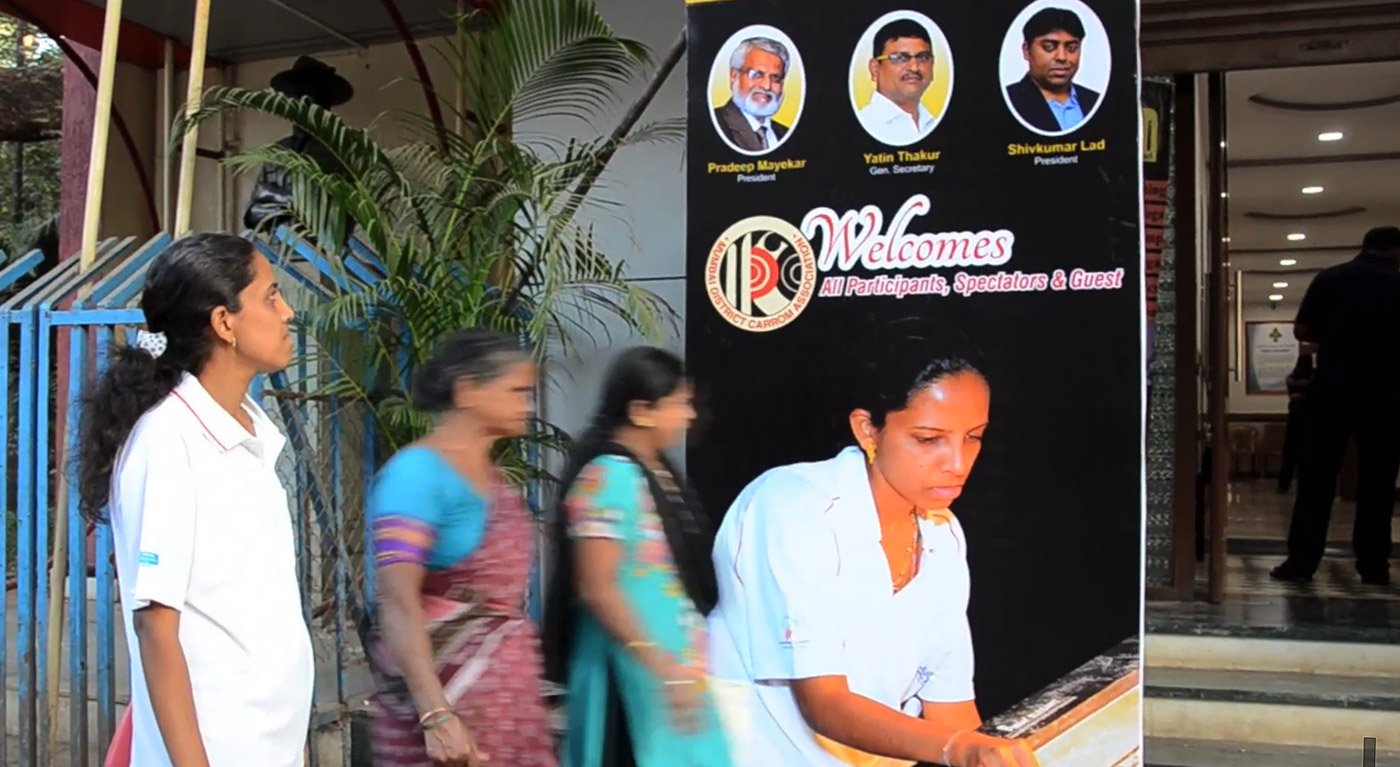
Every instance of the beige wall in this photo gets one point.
(384, 82)
(124, 212)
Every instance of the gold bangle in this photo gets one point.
(441, 719)
(637, 644)
(433, 714)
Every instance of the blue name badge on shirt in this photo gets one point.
(148, 558)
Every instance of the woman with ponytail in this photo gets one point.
(625, 623)
(183, 463)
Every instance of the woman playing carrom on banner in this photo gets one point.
(841, 635)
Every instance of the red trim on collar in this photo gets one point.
(202, 424)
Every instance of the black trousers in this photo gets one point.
(1334, 420)
(1293, 437)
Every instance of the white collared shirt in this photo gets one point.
(889, 124)
(805, 591)
(200, 523)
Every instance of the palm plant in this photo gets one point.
(477, 229)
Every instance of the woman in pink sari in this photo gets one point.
(457, 660)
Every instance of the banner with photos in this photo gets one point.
(879, 187)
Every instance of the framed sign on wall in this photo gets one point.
(1271, 351)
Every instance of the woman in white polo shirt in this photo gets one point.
(841, 632)
(184, 464)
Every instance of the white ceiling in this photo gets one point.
(1274, 152)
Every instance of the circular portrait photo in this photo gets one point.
(756, 90)
(901, 78)
(1055, 64)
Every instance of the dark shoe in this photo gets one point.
(1290, 573)
(1374, 576)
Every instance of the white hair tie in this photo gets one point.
(151, 343)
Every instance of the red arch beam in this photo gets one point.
(142, 177)
(82, 23)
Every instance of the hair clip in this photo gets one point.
(151, 343)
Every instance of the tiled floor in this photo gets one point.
(1335, 605)
(1259, 512)
(1258, 527)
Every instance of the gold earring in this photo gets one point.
(234, 343)
(870, 453)
(643, 423)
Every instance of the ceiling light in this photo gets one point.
(1288, 262)
(1276, 297)
(1312, 190)
(1297, 237)
(1332, 135)
(1280, 285)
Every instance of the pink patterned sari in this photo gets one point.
(485, 649)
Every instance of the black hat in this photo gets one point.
(315, 79)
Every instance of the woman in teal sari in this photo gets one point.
(625, 626)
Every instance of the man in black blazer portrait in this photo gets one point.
(757, 68)
(1047, 97)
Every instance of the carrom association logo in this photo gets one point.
(761, 274)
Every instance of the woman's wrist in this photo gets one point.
(436, 717)
(431, 702)
(648, 654)
(961, 749)
(953, 754)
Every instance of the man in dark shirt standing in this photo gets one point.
(1352, 312)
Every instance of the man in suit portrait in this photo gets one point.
(1047, 97)
(757, 68)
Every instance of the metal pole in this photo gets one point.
(461, 96)
(185, 195)
(167, 116)
(21, 59)
(102, 123)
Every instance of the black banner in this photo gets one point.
(867, 194)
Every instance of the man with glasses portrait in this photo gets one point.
(901, 65)
(757, 69)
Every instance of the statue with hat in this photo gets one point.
(272, 193)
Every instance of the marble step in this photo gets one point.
(1270, 707)
(1244, 653)
(1173, 752)
(1311, 619)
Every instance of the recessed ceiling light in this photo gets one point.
(1332, 135)
(1312, 190)
(1276, 297)
(1297, 237)
(1280, 285)
(1288, 262)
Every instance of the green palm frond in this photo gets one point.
(477, 230)
(545, 59)
(354, 148)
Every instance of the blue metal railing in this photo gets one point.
(12, 274)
